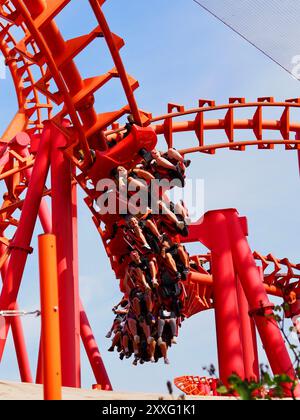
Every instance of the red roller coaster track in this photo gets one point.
(57, 125)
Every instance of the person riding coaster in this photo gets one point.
(176, 259)
(162, 167)
(118, 325)
(171, 293)
(167, 220)
(134, 236)
(166, 318)
(140, 296)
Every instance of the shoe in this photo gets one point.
(181, 225)
(155, 283)
(174, 340)
(152, 360)
(167, 362)
(122, 355)
(108, 335)
(185, 273)
(135, 362)
(187, 163)
(111, 349)
(150, 319)
(178, 276)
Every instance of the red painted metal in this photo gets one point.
(248, 337)
(62, 227)
(39, 58)
(19, 338)
(93, 352)
(20, 247)
(259, 303)
(228, 322)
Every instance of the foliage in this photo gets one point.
(268, 387)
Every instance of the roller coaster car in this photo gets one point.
(125, 153)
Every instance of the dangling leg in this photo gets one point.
(170, 262)
(173, 325)
(184, 257)
(171, 216)
(125, 342)
(151, 350)
(161, 325)
(139, 234)
(152, 227)
(132, 325)
(164, 350)
(148, 301)
(153, 271)
(136, 306)
(174, 154)
(115, 341)
(147, 331)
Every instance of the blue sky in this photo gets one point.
(179, 54)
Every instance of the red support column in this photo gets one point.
(39, 368)
(19, 340)
(22, 140)
(225, 299)
(20, 247)
(259, 303)
(62, 225)
(93, 352)
(248, 337)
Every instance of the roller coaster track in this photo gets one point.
(229, 126)
(59, 91)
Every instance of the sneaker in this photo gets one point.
(181, 225)
(178, 276)
(174, 340)
(155, 284)
(185, 273)
(150, 319)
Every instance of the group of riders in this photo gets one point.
(152, 262)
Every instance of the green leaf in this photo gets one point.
(222, 390)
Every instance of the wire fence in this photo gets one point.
(271, 26)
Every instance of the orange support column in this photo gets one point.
(50, 317)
